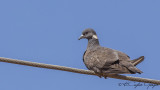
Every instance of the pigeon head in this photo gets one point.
(88, 34)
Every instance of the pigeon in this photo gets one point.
(104, 60)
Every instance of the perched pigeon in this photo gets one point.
(105, 60)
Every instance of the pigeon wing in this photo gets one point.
(124, 61)
(99, 57)
(121, 64)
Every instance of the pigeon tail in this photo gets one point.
(134, 70)
(137, 61)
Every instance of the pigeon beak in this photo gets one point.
(82, 36)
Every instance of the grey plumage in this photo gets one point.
(105, 60)
(137, 61)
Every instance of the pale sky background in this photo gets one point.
(47, 31)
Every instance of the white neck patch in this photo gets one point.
(95, 36)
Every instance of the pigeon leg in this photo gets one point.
(105, 75)
(99, 75)
(97, 72)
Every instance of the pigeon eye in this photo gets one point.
(86, 33)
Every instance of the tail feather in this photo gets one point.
(135, 70)
(137, 61)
